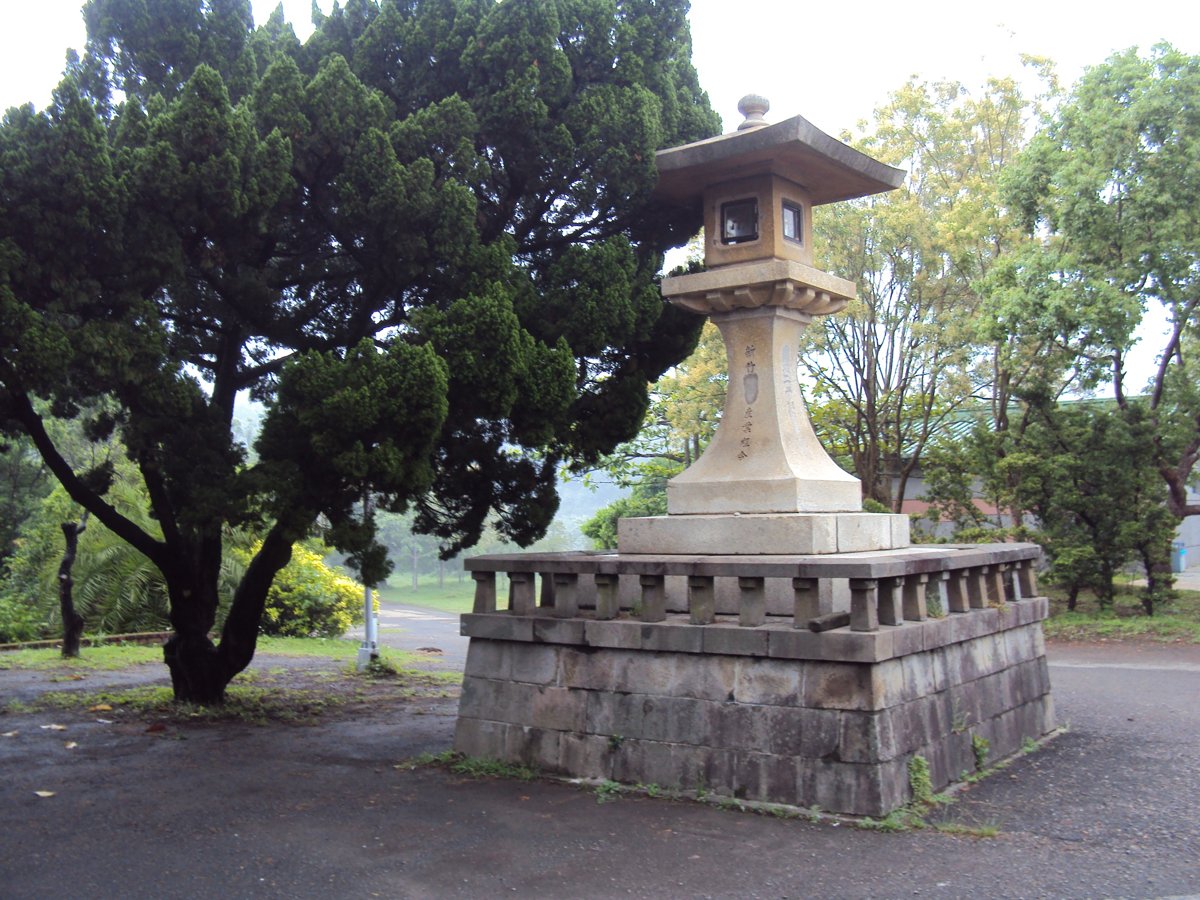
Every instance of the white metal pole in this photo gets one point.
(369, 649)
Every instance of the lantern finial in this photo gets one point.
(753, 107)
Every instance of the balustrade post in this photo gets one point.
(752, 608)
(521, 595)
(566, 595)
(808, 601)
(1027, 579)
(890, 601)
(654, 598)
(958, 590)
(485, 592)
(702, 600)
(997, 593)
(916, 608)
(608, 596)
(864, 604)
(977, 581)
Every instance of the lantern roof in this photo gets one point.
(795, 149)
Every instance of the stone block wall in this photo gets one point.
(770, 713)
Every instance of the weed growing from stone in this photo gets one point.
(980, 746)
(470, 766)
(607, 791)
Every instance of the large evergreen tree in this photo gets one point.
(422, 238)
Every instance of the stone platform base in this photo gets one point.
(772, 713)
(764, 533)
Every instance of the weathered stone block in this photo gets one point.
(480, 738)
(497, 626)
(676, 637)
(865, 737)
(940, 632)
(908, 638)
(616, 714)
(848, 787)
(737, 641)
(830, 685)
(786, 642)
(706, 677)
(768, 681)
(765, 777)
(646, 673)
(919, 723)
(561, 709)
(584, 756)
(923, 674)
(537, 748)
(887, 684)
(857, 647)
(534, 663)
(488, 659)
(589, 668)
(558, 631)
(623, 634)
(653, 762)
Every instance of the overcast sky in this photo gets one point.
(830, 62)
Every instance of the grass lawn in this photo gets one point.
(1176, 619)
(117, 656)
(453, 596)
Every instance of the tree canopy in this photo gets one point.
(422, 238)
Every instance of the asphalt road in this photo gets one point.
(1108, 809)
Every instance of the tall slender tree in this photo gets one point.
(1111, 185)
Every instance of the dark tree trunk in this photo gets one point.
(1072, 598)
(199, 673)
(72, 621)
(200, 670)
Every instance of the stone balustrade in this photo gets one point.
(886, 588)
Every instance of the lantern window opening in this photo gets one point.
(739, 221)
(793, 222)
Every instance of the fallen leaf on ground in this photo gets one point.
(44, 794)
(10, 734)
(156, 728)
(100, 707)
(71, 745)
(53, 727)
(104, 721)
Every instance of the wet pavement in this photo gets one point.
(1108, 809)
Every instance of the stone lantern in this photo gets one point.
(767, 639)
(764, 484)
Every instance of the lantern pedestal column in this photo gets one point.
(764, 484)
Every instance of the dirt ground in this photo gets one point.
(314, 798)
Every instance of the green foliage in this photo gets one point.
(1110, 185)
(24, 480)
(907, 353)
(439, 276)
(980, 747)
(647, 499)
(684, 411)
(18, 621)
(1099, 500)
(919, 781)
(120, 591)
(307, 598)
(607, 791)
